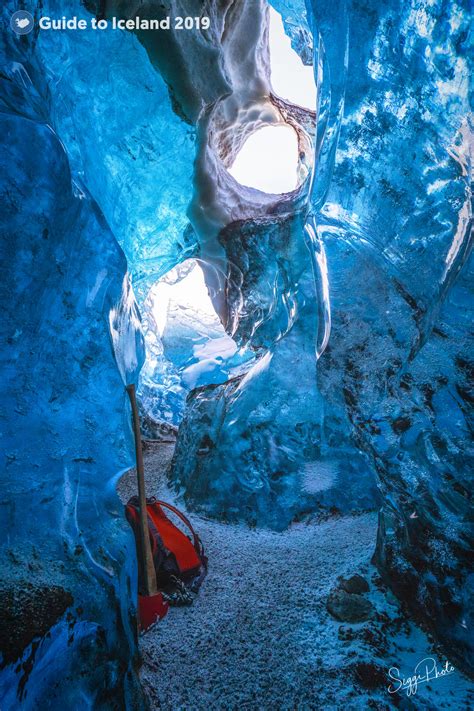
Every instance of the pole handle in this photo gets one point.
(147, 557)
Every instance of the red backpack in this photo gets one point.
(180, 563)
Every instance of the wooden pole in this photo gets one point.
(147, 558)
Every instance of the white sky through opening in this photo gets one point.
(268, 160)
(291, 79)
(193, 337)
(191, 292)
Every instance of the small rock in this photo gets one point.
(349, 607)
(345, 633)
(355, 584)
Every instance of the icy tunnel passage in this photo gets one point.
(388, 231)
(240, 455)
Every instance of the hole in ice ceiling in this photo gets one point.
(290, 78)
(268, 160)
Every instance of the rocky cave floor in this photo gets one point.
(259, 634)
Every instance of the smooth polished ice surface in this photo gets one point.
(70, 341)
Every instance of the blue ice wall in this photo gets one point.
(144, 167)
(393, 212)
(70, 337)
(113, 111)
(264, 447)
(291, 456)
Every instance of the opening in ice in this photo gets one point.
(192, 335)
(187, 345)
(182, 289)
(290, 78)
(268, 160)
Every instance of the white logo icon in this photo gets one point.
(22, 22)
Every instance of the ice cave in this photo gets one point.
(261, 218)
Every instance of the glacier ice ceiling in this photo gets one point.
(310, 340)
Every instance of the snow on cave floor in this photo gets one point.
(258, 635)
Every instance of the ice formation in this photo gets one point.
(342, 306)
(66, 579)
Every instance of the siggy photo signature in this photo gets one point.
(426, 670)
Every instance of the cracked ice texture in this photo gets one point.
(396, 224)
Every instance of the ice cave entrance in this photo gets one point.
(193, 338)
(268, 160)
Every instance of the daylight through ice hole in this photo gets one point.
(269, 158)
(187, 345)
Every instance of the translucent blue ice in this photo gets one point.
(65, 432)
(396, 227)
(351, 297)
